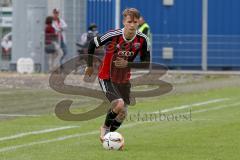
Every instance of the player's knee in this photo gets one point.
(118, 105)
(121, 105)
(122, 114)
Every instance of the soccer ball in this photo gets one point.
(113, 141)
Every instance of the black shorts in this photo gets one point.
(115, 91)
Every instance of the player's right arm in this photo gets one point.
(95, 43)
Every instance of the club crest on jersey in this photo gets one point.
(136, 45)
(125, 53)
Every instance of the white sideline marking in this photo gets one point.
(47, 141)
(18, 115)
(57, 139)
(193, 105)
(36, 132)
(217, 108)
(96, 132)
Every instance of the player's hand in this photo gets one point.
(89, 71)
(120, 63)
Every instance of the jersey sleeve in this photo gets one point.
(107, 37)
(100, 41)
(144, 57)
(145, 52)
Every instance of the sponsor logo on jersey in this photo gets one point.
(126, 53)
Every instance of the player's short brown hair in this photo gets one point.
(132, 12)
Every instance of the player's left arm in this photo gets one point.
(145, 52)
(144, 57)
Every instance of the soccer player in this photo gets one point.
(121, 48)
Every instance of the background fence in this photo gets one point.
(178, 27)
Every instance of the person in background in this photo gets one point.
(86, 38)
(83, 44)
(144, 27)
(6, 44)
(52, 46)
(60, 26)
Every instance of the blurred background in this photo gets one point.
(186, 34)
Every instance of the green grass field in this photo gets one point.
(200, 125)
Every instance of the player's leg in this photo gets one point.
(124, 91)
(116, 104)
(113, 112)
(114, 118)
(117, 122)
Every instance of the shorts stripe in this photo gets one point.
(103, 86)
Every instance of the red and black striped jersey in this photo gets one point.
(116, 45)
